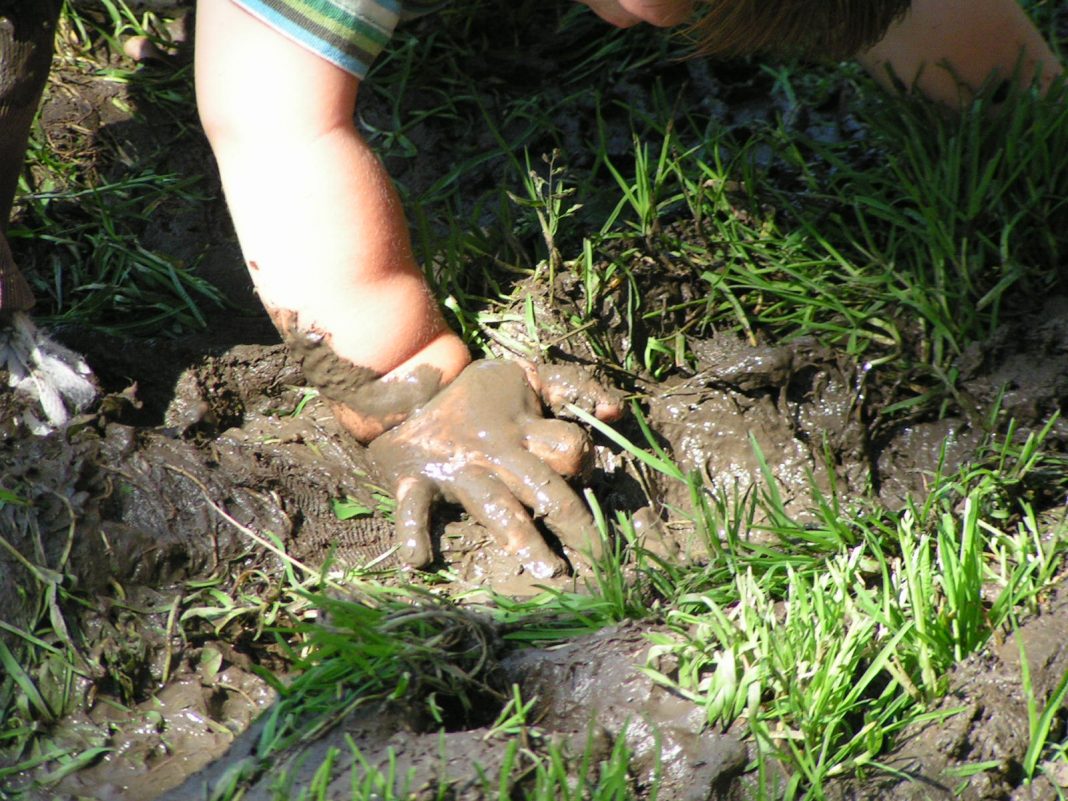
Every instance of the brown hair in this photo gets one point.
(815, 29)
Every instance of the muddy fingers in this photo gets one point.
(482, 443)
(488, 500)
(563, 446)
(415, 496)
(552, 499)
(562, 384)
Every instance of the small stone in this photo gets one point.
(141, 48)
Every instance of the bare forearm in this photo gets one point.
(323, 235)
(327, 248)
(949, 49)
(319, 222)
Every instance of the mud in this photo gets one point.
(139, 495)
(154, 746)
(787, 404)
(589, 694)
(803, 409)
(204, 440)
(379, 404)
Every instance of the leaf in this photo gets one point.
(347, 508)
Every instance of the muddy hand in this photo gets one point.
(482, 443)
(563, 385)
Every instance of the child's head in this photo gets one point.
(624, 13)
(820, 29)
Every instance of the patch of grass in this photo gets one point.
(825, 640)
(901, 244)
(99, 273)
(828, 656)
(87, 203)
(834, 635)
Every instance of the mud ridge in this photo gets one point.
(588, 692)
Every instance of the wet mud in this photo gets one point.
(201, 441)
(155, 745)
(147, 495)
(588, 695)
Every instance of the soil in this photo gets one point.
(196, 443)
(588, 692)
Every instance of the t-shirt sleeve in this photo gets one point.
(348, 33)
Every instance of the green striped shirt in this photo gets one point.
(349, 33)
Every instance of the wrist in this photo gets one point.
(386, 401)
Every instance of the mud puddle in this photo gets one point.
(142, 512)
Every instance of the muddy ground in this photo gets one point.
(150, 505)
(196, 445)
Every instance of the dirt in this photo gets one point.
(156, 744)
(588, 694)
(204, 439)
(154, 497)
(982, 718)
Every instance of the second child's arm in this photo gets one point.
(949, 49)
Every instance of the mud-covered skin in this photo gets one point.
(365, 403)
(562, 384)
(483, 443)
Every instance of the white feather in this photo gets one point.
(54, 376)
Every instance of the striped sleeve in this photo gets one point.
(348, 33)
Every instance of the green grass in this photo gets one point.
(897, 242)
(85, 205)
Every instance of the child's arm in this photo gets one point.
(948, 49)
(319, 221)
(325, 239)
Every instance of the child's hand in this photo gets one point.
(482, 443)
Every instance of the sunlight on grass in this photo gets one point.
(897, 246)
(82, 229)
